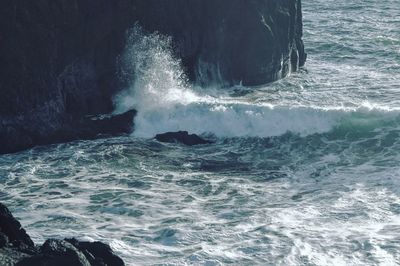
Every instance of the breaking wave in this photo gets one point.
(166, 102)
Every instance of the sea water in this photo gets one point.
(304, 171)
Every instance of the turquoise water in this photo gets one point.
(304, 171)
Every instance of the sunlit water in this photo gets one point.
(305, 171)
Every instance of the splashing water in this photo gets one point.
(304, 171)
(157, 78)
(166, 101)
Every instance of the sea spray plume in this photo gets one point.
(159, 90)
(155, 76)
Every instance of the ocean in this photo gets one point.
(303, 171)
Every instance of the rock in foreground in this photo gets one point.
(17, 248)
(182, 137)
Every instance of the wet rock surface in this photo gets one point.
(17, 248)
(11, 230)
(18, 134)
(182, 137)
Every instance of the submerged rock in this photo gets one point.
(182, 137)
(59, 58)
(17, 248)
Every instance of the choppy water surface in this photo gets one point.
(305, 171)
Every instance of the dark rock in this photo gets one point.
(11, 256)
(3, 240)
(56, 252)
(230, 41)
(58, 58)
(68, 252)
(10, 227)
(181, 137)
(98, 253)
(110, 125)
(20, 134)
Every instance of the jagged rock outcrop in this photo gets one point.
(58, 58)
(182, 137)
(17, 248)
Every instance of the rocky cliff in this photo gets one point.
(58, 57)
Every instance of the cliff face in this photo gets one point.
(232, 41)
(58, 58)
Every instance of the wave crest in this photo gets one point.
(166, 102)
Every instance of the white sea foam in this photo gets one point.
(166, 102)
